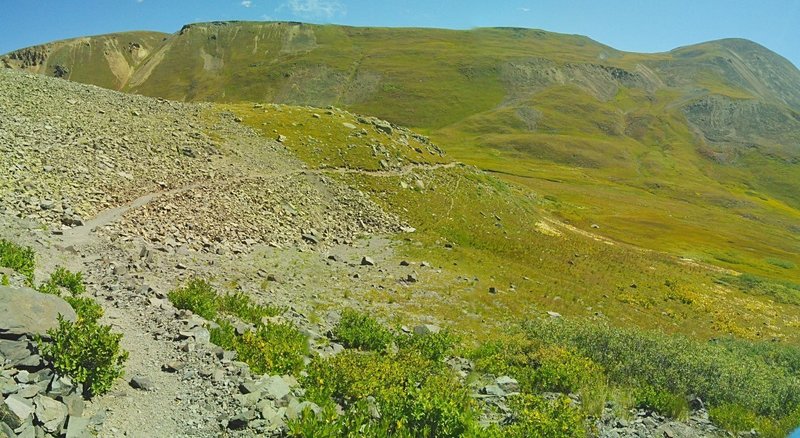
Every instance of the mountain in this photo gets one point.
(704, 134)
(571, 241)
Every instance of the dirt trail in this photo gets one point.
(82, 234)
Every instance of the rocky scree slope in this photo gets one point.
(160, 239)
(72, 151)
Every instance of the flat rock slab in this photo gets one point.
(26, 311)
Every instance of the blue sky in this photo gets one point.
(633, 25)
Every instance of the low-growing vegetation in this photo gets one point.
(268, 347)
(410, 391)
(19, 258)
(666, 369)
(87, 352)
(358, 330)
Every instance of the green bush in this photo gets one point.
(272, 348)
(681, 366)
(414, 395)
(534, 417)
(86, 352)
(224, 335)
(18, 258)
(434, 346)
(539, 367)
(733, 418)
(61, 277)
(359, 330)
(4, 281)
(241, 306)
(198, 296)
(86, 308)
(663, 402)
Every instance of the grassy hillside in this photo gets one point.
(693, 152)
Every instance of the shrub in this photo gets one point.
(87, 309)
(359, 330)
(434, 346)
(733, 418)
(414, 395)
(18, 258)
(679, 365)
(198, 296)
(4, 281)
(86, 352)
(539, 367)
(663, 402)
(241, 306)
(273, 348)
(534, 417)
(61, 277)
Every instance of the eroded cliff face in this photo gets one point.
(106, 60)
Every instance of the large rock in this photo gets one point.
(26, 311)
(16, 411)
(51, 414)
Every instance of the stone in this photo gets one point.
(553, 314)
(493, 390)
(7, 386)
(16, 410)
(14, 351)
(507, 384)
(23, 377)
(275, 388)
(51, 414)
(349, 125)
(143, 383)
(492, 290)
(199, 334)
(310, 238)
(367, 261)
(61, 386)
(173, 366)
(411, 278)
(295, 409)
(27, 311)
(241, 421)
(250, 387)
(383, 126)
(74, 404)
(426, 329)
(6, 431)
(29, 391)
(78, 427)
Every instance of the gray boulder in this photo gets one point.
(16, 410)
(26, 311)
(51, 414)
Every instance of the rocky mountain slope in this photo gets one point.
(626, 214)
(713, 125)
(142, 195)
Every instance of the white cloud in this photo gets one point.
(247, 3)
(525, 9)
(139, 1)
(316, 8)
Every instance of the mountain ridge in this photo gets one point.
(714, 124)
